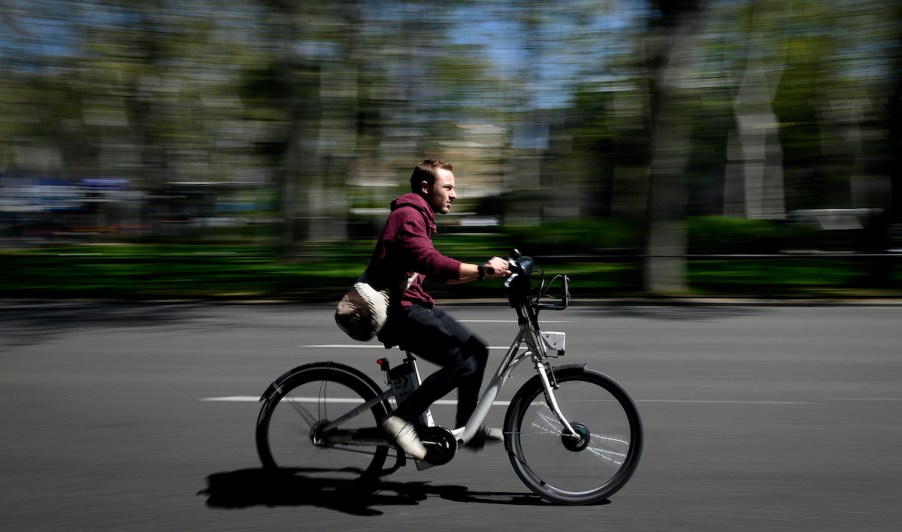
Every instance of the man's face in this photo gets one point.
(441, 194)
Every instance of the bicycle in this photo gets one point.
(573, 435)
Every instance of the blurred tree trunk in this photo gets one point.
(895, 131)
(531, 130)
(325, 194)
(290, 93)
(665, 263)
(143, 103)
(288, 175)
(754, 187)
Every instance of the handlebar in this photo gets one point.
(565, 297)
(519, 285)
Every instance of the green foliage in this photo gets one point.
(577, 237)
(322, 273)
(786, 276)
(717, 235)
(138, 271)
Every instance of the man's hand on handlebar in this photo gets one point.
(496, 268)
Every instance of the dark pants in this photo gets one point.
(433, 335)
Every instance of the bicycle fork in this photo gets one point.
(541, 369)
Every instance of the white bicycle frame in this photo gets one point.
(536, 350)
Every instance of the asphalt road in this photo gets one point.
(126, 416)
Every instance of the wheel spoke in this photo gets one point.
(298, 407)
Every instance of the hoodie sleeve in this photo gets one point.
(413, 237)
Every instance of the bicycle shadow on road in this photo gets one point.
(255, 487)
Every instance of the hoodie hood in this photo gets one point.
(412, 199)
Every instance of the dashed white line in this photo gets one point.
(512, 321)
(723, 402)
(369, 346)
(343, 346)
(255, 398)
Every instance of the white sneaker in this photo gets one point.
(405, 436)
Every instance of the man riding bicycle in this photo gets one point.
(414, 323)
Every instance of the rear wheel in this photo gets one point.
(567, 469)
(290, 436)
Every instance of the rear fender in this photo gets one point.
(271, 389)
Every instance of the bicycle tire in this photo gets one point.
(305, 398)
(564, 470)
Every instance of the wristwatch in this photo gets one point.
(481, 270)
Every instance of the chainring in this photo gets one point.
(440, 444)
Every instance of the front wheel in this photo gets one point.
(567, 469)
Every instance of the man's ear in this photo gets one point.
(424, 186)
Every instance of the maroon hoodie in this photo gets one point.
(405, 246)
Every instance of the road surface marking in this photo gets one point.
(512, 321)
(254, 399)
(373, 346)
(723, 402)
